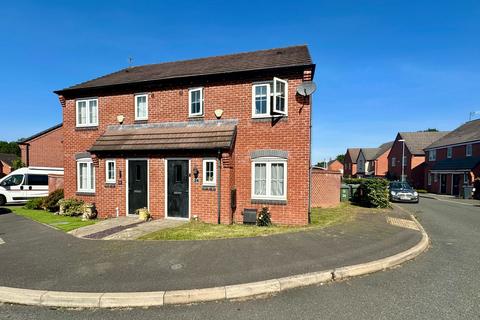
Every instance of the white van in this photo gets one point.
(24, 184)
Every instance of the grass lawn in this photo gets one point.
(204, 231)
(59, 222)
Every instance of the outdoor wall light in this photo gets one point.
(120, 118)
(195, 173)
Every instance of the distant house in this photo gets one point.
(454, 159)
(373, 161)
(350, 162)
(335, 165)
(6, 163)
(44, 149)
(414, 161)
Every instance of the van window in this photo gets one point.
(14, 180)
(37, 180)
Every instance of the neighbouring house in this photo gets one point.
(413, 144)
(373, 162)
(335, 165)
(206, 138)
(454, 160)
(6, 163)
(44, 149)
(350, 162)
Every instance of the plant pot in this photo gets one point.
(89, 212)
(143, 214)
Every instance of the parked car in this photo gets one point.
(402, 192)
(24, 184)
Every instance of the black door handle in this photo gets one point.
(30, 188)
(21, 187)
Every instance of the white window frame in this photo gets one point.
(394, 162)
(90, 168)
(285, 82)
(432, 155)
(107, 178)
(137, 117)
(190, 91)
(429, 179)
(469, 150)
(254, 107)
(204, 172)
(268, 161)
(87, 118)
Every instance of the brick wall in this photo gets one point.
(350, 168)
(325, 188)
(55, 182)
(168, 104)
(381, 164)
(45, 150)
(4, 169)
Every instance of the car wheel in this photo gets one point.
(3, 200)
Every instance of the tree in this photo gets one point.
(430, 130)
(341, 158)
(9, 147)
(321, 164)
(17, 164)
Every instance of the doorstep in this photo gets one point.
(105, 227)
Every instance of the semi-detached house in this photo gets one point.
(204, 138)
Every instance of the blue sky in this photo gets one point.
(382, 66)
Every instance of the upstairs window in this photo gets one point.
(195, 102)
(449, 152)
(87, 113)
(209, 172)
(141, 107)
(269, 179)
(432, 155)
(270, 98)
(469, 150)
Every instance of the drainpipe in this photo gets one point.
(219, 180)
(310, 164)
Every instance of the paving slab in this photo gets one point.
(104, 226)
(136, 231)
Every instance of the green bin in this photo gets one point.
(344, 192)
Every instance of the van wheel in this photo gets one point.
(3, 200)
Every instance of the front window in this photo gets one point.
(209, 172)
(110, 175)
(449, 152)
(85, 176)
(141, 107)
(195, 102)
(469, 150)
(269, 179)
(14, 180)
(87, 113)
(432, 155)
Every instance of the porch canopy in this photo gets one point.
(456, 165)
(195, 135)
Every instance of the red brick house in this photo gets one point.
(373, 162)
(350, 162)
(454, 160)
(6, 163)
(44, 149)
(335, 165)
(204, 138)
(414, 161)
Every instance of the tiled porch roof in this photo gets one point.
(198, 135)
(467, 164)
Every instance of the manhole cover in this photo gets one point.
(176, 266)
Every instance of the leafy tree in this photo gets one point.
(9, 147)
(321, 164)
(430, 130)
(17, 164)
(341, 158)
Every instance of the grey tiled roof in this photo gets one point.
(467, 132)
(467, 163)
(417, 141)
(247, 61)
(370, 153)
(383, 148)
(353, 152)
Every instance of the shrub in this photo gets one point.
(71, 207)
(34, 204)
(422, 191)
(353, 180)
(50, 203)
(373, 193)
(263, 219)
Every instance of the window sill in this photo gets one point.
(139, 121)
(269, 118)
(193, 118)
(209, 187)
(84, 193)
(269, 201)
(86, 128)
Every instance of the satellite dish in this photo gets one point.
(306, 88)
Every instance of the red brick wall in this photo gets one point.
(350, 169)
(335, 166)
(325, 188)
(55, 182)
(4, 169)
(171, 104)
(45, 150)
(381, 164)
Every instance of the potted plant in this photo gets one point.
(143, 214)
(89, 211)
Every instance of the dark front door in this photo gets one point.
(137, 185)
(456, 184)
(177, 188)
(443, 183)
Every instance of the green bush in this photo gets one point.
(50, 203)
(422, 191)
(71, 207)
(34, 204)
(352, 180)
(373, 193)
(263, 219)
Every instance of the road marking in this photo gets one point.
(1, 241)
(402, 223)
(465, 204)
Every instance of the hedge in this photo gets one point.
(372, 192)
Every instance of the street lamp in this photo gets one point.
(403, 159)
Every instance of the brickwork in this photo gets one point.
(325, 188)
(4, 169)
(169, 104)
(45, 150)
(55, 182)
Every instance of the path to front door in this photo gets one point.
(137, 185)
(178, 189)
